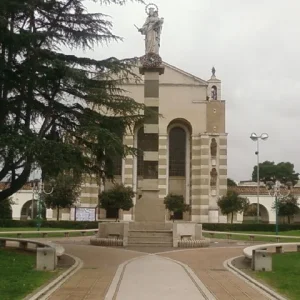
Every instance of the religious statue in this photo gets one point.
(213, 177)
(152, 29)
(214, 93)
(213, 71)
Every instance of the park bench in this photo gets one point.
(47, 253)
(261, 256)
(45, 233)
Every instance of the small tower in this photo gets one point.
(216, 131)
(214, 87)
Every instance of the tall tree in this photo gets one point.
(231, 182)
(61, 111)
(6, 209)
(287, 207)
(269, 171)
(65, 193)
(232, 203)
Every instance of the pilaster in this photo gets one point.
(149, 204)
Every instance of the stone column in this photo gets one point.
(223, 171)
(127, 174)
(149, 206)
(162, 167)
(200, 178)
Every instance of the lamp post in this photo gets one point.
(254, 137)
(279, 191)
(38, 188)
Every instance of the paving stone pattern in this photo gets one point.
(100, 264)
(208, 266)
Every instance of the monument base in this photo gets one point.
(150, 234)
(149, 208)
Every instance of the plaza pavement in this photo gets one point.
(153, 276)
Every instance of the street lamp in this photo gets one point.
(279, 191)
(254, 137)
(38, 188)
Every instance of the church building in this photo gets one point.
(192, 147)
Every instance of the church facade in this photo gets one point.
(192, 147)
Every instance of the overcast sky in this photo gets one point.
(254, 46)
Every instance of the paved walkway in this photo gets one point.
(151, 276)
(157, 278)
(207, 263)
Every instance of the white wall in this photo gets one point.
(19, 199)
(266, 201)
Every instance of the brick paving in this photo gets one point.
(93, 280)
(100, 264)
(208, 266)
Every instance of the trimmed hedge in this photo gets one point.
(49, 224)
(93, 225)
(249, 227)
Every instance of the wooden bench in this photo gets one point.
(47, 253)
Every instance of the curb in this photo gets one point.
(49, 289)
(254, 283)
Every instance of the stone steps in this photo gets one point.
(150, 244)
(150, 239)
(150, 233)
(150, 226)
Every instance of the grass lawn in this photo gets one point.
(35, 232)
(263, 239)
(285, 276)
(18, 276)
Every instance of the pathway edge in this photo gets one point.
(251, 281)
(49, 289)
(197, 281)
(114, 286)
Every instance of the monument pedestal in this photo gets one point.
(149, 208)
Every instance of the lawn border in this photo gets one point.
(51, 287)
(250, 280)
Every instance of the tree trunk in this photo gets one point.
(289, 219)
(57, 213)
(231, 218)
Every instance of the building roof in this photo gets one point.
(252, 190)
(3, 185)
(198, 79)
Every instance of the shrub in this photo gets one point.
(119, 197)
(175, 203)
(248, 227)
(49, 224)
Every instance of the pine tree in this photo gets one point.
(61, 111)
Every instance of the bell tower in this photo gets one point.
(216, 131)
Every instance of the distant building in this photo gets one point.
(267, 213)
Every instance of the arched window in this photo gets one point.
(177, 151)
(213, 148)
(214, 93)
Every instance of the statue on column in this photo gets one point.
(152, 29)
